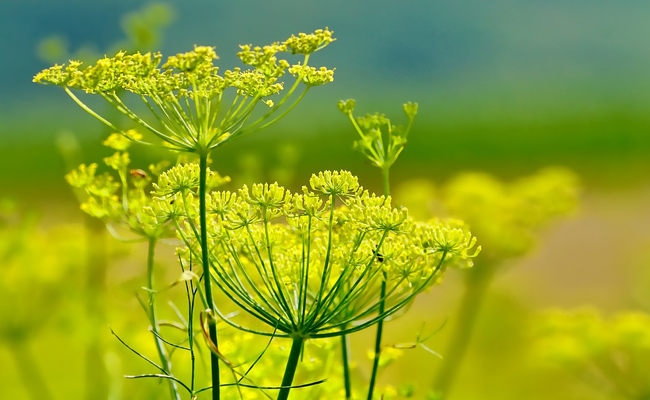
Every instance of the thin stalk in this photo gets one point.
(386, 180)
(345, 347)
(476, 287)
(116, 102)
(290, 371)
(279, 285)
(380, 331)
(374, 153)
(282, 101)
(212, 324)
(274, 120)
(382, 305)
(394, 308)
(318, 303)
(164, 359)
(191, 297)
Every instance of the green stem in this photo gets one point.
(380, 331)
(345, 346)
(164, 359)
(477, 283)
(191, 296)
(290, 371)
(382, 304)
(212, 323)
(89, 110)
(386, 180)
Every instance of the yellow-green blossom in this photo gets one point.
(311, 264)
(187, 94)
(380, 141)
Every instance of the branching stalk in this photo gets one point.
(290, 371)
(212, 324)
(382, 305)
(164, 359)
(345, 347)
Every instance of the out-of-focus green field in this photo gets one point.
(59, 297)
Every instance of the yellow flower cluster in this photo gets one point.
(135, 209)
(184, 179)
(309, 43)
(185, 94)
(310, 264)
(381, 141)
(311, 76)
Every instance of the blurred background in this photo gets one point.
(504, 87)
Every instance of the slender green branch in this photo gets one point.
(282, 101)
(357, 287)
(386, 180)
(119, 104)
(382, 305)
(284, 329)
(229, 249)
(318, 303)
(212, 325)
(162, 376)
(89, 110)
(374, 154)
(155, 113)
(290, 371)
(345, 347)
(305, 268)
(392, 310)
(378, 337)
(263, 272)
(280, 285)
(164, 359)
(284, 113)
(190, 291)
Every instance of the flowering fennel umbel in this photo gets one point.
(193, 108)
(381, 143)
(196, 108)
(310, 265)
